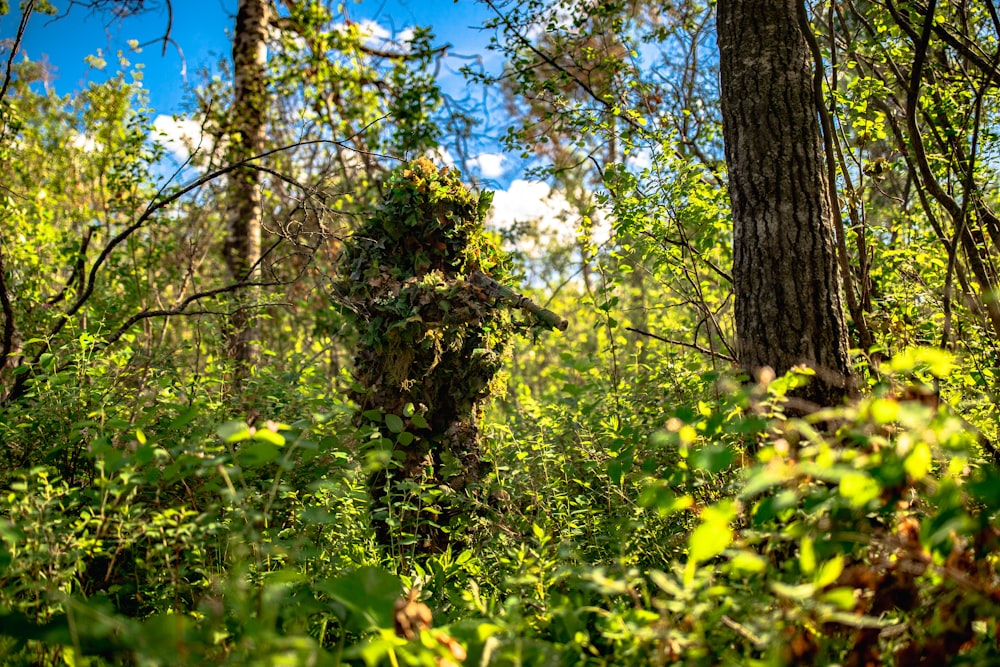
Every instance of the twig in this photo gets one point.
(8, 310)
(22, 26)
(8, 319)
(20, 383)
(743, 631)
(693, 346)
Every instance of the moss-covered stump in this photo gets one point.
(431, 343)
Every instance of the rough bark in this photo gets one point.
(244, 203)
(787, 291)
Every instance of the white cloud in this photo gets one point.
(561, 19)
(552, 220)
(180, 136)
(534, 202)
(490, 165)
(441, 156)
(640, 159)
(83, 142)
(377, 36)
(373, 30)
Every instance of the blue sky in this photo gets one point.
(200, 30)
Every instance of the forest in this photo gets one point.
(298, 398)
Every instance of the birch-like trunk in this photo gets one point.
(244, 203)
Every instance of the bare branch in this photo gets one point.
(181, 309)
(29, 7)
(693, 346)
(8, 319)
(158, 203)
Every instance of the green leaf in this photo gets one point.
(859, 488)
(658, 496)
(538, 532)
(368, 593)
(233, 431)
(919, 461)
(829, 572)
(807, 555)
(483, 205)
(748, 561)
(183, 419)
(842, 598)
(935, 360)
(258, 453)
(394, 423)
(267, 435)
(793, 592)
(884, 411)
(713, 458)
(708, 541)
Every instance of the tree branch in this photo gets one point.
(693, 346)
(158, 203)
(29, 7)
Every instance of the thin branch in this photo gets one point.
(8, 319)
(181, 309)
(826, 124)
(967, 196)
(22, 26)
(8, 310)
(552, 63)
(291, 25)
(78, 267)
(20, 383)
(693, 346)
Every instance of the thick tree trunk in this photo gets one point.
(244, 207)
(788, 303)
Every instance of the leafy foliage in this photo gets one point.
(626, 499)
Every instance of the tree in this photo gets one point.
(788, 305)
(244, 203)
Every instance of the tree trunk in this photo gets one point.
(244, 203)
(788, 303)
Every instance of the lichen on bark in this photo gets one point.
(432, 343)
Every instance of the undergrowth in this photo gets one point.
(725, 534)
